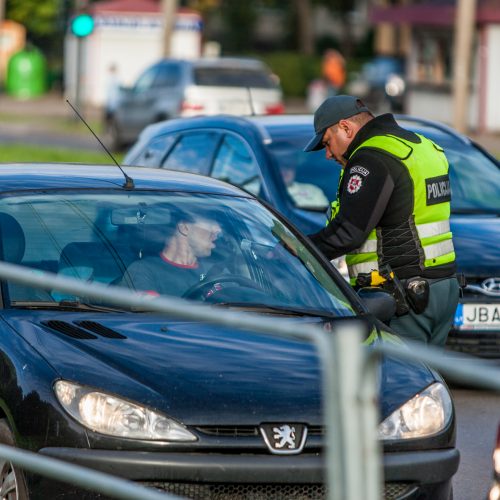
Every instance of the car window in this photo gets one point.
(236, 164)
(153, 153)
(193, 152)
(309, 178)
(145, 81)
(168, 76)
(233, 77)
(98, 235)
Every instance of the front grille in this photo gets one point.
(394, 491)
(229, 431)
(228, 491)
(247, 430)
(482, 344)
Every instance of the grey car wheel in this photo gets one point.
(12, 482)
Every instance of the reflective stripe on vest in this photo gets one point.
(433, 228)
(424, 162)
(438, 249)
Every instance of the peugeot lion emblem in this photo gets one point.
(492, 285)
(284, 439)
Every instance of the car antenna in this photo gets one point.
(129, 182)
(250, 100)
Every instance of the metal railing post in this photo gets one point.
(353, 454)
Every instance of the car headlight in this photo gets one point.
(428, 413)
(494, 493)
(113, 416)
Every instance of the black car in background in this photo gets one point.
(264, 156)
(199, 410)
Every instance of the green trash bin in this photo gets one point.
(26, 74)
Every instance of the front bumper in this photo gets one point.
(409, 471)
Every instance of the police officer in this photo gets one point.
(391, 213)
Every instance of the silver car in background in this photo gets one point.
(178, 88)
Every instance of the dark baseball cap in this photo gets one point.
(330, 112)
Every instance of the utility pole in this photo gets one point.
(169, 9)
(465, 22)
(2, 17)
(305, 31)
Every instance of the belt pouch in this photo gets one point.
(417, 294)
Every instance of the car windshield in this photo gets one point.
(310, 179)
(243, 255)
(233, 77)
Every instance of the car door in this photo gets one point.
(137, 107)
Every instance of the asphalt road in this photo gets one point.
(478, 415)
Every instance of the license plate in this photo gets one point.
(234, 108)
(477, 317)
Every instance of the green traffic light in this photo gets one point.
(82, 25)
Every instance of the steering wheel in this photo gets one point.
(198, 288)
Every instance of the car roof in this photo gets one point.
(35, 176)
(265, 125)
(434, 128)
(268, 126)
(217, 62)
(279, 124)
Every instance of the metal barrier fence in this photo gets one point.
(353, 453)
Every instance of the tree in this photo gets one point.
(39, 17)
(239, 20)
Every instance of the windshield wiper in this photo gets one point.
(285, 310)
(66, 305)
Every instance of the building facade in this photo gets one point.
(128, 36)
(425, 32)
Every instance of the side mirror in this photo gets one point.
(380, 303)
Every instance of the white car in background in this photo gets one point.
(178, 88)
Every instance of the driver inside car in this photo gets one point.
(180, 264)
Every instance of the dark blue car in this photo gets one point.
(189, 408)
(264, 156)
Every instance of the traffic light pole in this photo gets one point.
(79, 73)
(82, 26)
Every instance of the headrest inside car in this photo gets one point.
(12, 238)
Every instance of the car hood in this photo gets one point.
(476, 238)
(198, 374)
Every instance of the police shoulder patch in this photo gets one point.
(358, 169)
(354, 183)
